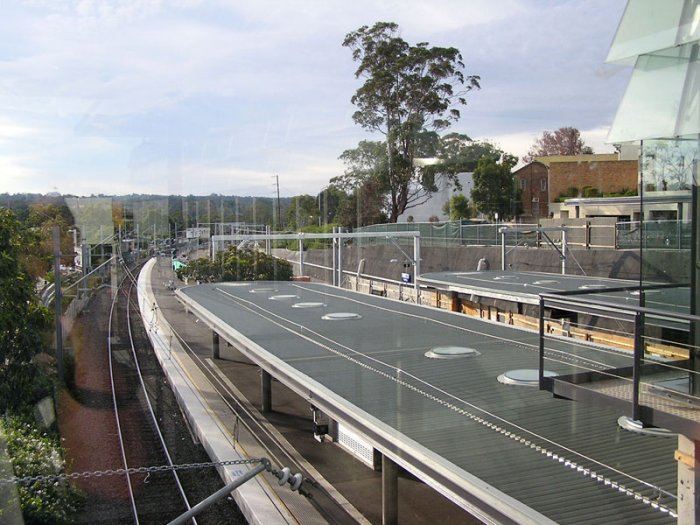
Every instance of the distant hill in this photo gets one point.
(183, 211)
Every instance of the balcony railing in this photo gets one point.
(648, 369)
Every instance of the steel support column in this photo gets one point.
(390, 492)
(564, 251)
(502, 231)
(266, 391)
(215, 346)
(334, 245)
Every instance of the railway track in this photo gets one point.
(151, 430)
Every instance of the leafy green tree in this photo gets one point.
(37, 253)
(22, 318)
(364, 205)
(368, 161)
(407, 91)
(457, 153)
(302, 211)
(457, 208)
(328, 200)
(494, 188)
(366, 183)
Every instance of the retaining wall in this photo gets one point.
(387, 261)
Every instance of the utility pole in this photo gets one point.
(58, 300)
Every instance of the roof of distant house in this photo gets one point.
(593, 157)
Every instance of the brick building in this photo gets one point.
(547, 179)
(532, 180)
(592, 178)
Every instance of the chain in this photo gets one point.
(120, 472)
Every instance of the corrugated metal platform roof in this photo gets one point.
(526, 286)
(534, 455)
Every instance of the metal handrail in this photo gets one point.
(635, 314)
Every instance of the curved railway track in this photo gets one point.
(146, 416)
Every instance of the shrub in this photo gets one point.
(35, 454)
(238, 265)
(590, 191)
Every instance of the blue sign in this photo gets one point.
(406, 277)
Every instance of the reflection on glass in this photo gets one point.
(661, 99)
(648, 25)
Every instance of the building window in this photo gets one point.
(522, 184)
(543, 184)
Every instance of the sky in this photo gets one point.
(220, 96)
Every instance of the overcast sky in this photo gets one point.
(217, 96)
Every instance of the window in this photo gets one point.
(523, 184)
(543, 184)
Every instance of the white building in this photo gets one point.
(432, 207)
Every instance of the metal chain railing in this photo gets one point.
(120, 472)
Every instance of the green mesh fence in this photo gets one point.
(449, 234)
(657, 234)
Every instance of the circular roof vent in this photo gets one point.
(451, 352)
(263, 290)
(546, 281)
(308, 305)
(341, 316)
(633, 425)
(523, 377)
(283, 297)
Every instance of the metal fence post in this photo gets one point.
(541, 344)
(503, 249)
(637, 363)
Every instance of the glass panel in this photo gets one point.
(93, 217)
(661, 99)
(669, 167)
(649, 25)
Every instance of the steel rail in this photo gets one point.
(146, 397)
(242, 410)
(116, 409)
